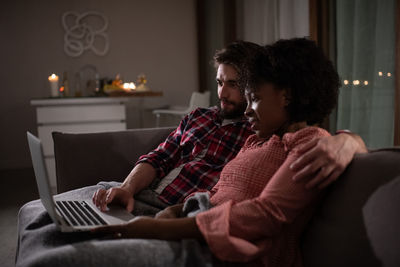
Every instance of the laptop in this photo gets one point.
(70, 215)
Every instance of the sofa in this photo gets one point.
(356, 224)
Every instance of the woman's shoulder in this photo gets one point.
(301, 137)
(289, 140)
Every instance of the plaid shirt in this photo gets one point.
(199, 130)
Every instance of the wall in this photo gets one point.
(154, 37)
(214, 40)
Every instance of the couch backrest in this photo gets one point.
(86, 159)
(358, 222)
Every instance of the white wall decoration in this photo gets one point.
(86, 31)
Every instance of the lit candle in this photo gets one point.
(125, 86)
(53, 79)
(129, 86)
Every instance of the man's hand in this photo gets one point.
(170, 212)
(113, 195)
(140, 177)
(325, 159)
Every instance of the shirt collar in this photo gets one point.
(224, 122)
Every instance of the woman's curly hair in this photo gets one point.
(300, 67)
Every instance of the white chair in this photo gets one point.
(196, 100)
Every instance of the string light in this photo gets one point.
(366, 82)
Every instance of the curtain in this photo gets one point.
(266, 21)
(323, 32)
(397, 78)
(365, 62)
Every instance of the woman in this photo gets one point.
(258, 210)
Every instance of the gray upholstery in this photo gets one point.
(86, 159)
(357, 223)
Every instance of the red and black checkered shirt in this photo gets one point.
(199, 130)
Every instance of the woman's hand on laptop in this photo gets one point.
(139, 227)
(101, 198)
(152, 228)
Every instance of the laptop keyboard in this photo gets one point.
(79, 213)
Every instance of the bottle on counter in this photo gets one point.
(64, 89)
(77, 87)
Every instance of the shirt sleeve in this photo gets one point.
(167, 155)
(233, 230)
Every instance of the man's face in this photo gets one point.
(233, 102)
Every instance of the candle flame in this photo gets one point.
(53, 77)
(129, 86)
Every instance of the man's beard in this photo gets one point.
(235, 113)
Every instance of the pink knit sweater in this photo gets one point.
(259, 211)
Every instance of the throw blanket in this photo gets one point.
(41, 244)
(197, 203)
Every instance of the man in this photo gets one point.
(193, 155)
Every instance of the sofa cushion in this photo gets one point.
(382, 222)
(85, 159)
(347, 228)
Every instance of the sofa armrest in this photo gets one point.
(357, 223)
(87, 158)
